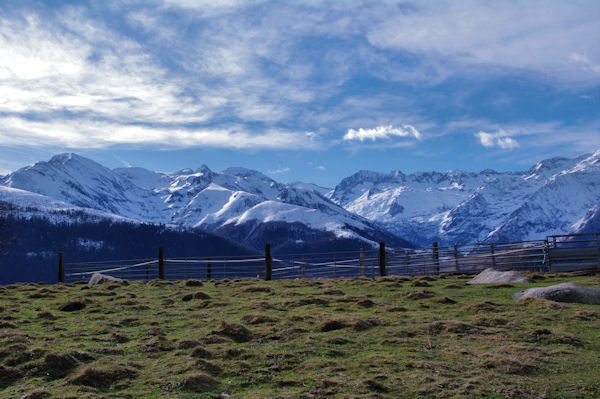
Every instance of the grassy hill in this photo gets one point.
(386, 338)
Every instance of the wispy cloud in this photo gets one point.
(382, 132)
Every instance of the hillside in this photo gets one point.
(384, 338)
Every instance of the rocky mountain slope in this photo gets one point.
(238, 203)
(553, 197)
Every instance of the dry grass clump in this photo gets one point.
(481, 306)
(197, 295)
(201, 352)
(199, 383)
(36, 394)
(72, 306)
(448, 326)
(194, 283)
(454, 286)
(188, 344)
(444, 300)
(333, 291)
(158, 343)
(57, 365)
(46, 315)
(7, 324)
(257, 319)
(102, 376)
(419, 283)
(8, 376)
(334, 324)
(235, 331)
(416, 295)
(257, 288)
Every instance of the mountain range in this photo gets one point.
(555, 196)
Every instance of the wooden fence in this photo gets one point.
(555, 253)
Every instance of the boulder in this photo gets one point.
(565, 292)
(99, 278)
(489, 276)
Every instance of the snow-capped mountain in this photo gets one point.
(555, 196)
(238, 203)
(552, 197)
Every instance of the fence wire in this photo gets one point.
(569, 252)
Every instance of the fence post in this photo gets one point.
(303, 267)
(268, 262)
(147, 269)
(493, 256)
(161, 263)
(436, 258)
(382, 271)
(456, 257)
(208, 269)
(362, 262)
(598, 250)
(61, 268)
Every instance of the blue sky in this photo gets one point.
(303, 90)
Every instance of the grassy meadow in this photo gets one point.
(329, 338)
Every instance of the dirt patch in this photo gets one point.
(199, 383)
(72, 306)
(194, 283)
(257, 319)
(102, 377)
(235, 331)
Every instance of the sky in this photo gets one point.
(307, 91)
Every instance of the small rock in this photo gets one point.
(494, 276)
(99, 278)
(565, 292)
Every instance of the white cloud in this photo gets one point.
(279, 171)
(382, 132)
(321, 167)
(500, 140)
